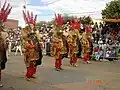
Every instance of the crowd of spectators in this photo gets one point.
(106, 39)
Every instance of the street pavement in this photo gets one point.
(95, 76)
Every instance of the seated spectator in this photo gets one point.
(100, 42)
(108, 55)
(99, 54)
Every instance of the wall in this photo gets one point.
(11, 24)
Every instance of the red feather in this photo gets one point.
(59, 20)
(4, 12)
(7, 7)
(55, 17)
(31, 20)
(28, 17)
(35, 20)
(3, 8)
(1, 15)
(75, 24)
(25, 18)
(7, 13)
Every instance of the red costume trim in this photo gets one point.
(86, 58)
(31, 70)
(58, 63)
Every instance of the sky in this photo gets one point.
(45, 9)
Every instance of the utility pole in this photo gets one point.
(0, 4)
(24, 8)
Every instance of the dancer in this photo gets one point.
(86, 44)
(73, 43)
(5, 11)
(31, 47)
(73, 49)
(58, 49)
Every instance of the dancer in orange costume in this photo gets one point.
(73, 39)
(31, 46)
(58, 45)
(31, 57)
(73, 49)
(5, 10)
(58, 49)
(86, 44)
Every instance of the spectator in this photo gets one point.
(18, 48)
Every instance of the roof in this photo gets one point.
(111, 20)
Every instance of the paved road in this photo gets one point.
(95, 76)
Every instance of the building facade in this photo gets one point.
(11, 24)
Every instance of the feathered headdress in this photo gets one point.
(59, 20)
(30, 18)
(75, 24)
(4, 12)
(59, 23)
(88, 29)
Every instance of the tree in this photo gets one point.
(112, 10)
(86, 20)
(52, 22)
(41, 23)
(67, 18)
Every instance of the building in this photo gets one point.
(97, 20)
(11, 24)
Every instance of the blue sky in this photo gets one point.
(45, 13)
(63, 6)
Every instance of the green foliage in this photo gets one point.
(112, 10)
(66, 18)
(41, 23)
(52, 22)
(86, 20)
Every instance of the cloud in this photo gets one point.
(71, 7)
(77, 6)
(17, 9)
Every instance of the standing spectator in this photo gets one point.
(7, 47)
(100, 42)
(96, 26)
(18, 48)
